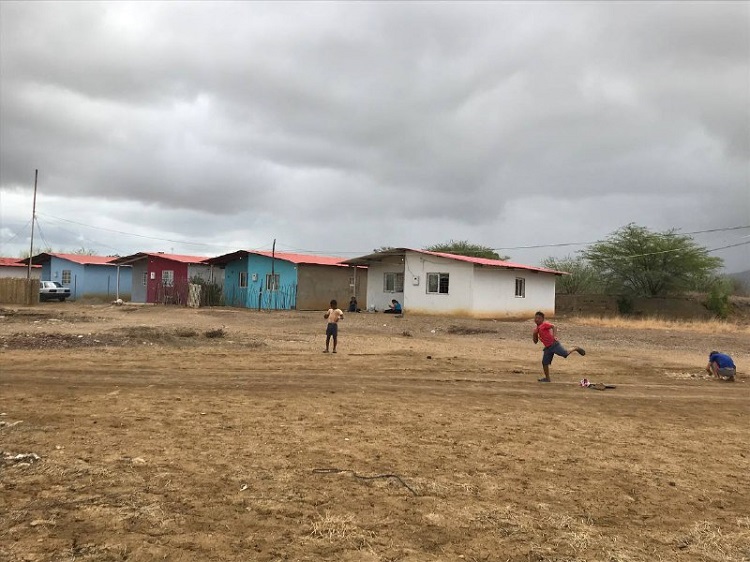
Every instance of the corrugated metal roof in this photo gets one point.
(307, 259)
(14, 262)
(81, 259)
(172, 257)
(363, 260)
(490, 263)
(301, 258)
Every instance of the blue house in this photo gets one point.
(87, 276)
(285, 281)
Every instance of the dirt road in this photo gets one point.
(164, 433)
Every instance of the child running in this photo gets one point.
(333, 315)
(547, 332)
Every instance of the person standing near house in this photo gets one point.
(721, 366)
(333, 316)
(546, 332)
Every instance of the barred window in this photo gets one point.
(393, 282)
(438, 283)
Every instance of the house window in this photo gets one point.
(243, 279)
(393, 282)
(145, 278)
(272, 282)
(66, 277)
(438, 283)
(520, 287)
(167, 278)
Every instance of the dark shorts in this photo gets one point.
(728, 372)
(332, 329)
(550, 352)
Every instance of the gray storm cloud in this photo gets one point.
(449, 111)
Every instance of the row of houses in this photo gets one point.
(423, 281)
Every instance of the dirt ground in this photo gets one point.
(161, 433)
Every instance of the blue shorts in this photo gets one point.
(332, 329)
(550, 352)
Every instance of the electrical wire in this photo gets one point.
(321, 252)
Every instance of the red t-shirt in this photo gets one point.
(545, 333)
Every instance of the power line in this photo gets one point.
(556, 245)
(501, 248)
(672, 250)
(129, 233)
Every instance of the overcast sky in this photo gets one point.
(337, 127)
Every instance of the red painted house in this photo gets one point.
(164, 278)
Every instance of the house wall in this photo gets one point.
(459, 299)
(233, 294)
(255, 294)
(90, 280)
(156, 291)
(318, 284)
(8, 271)
(285, 298)
(495, 293)
(101, 281)
(376, 295)
(53, 271)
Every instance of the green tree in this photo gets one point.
(464, 248)
(637, 261)
(583, 278)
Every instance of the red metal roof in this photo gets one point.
(377, 256)
(14, 262)
(307, 259)
(489, 262)
(82, 259)
(172, 257)
(300, 258)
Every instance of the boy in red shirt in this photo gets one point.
(547, 333)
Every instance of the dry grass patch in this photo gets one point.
(656, 323)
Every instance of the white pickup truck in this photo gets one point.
(51, 290)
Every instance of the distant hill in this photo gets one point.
(743, 277)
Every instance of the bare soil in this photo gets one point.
(161, 433)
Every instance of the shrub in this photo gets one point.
(717, 300)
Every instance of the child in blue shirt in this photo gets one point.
(721, 366)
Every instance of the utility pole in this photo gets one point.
(273, 274)
(33, 219)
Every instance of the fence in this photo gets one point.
(15, 290)
(285, 298)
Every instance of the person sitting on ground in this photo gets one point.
(353, 307)
(394, 308)
(721, 366)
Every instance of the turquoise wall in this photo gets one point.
(285, 298)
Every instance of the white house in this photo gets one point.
(13, 267)
(438, 283)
